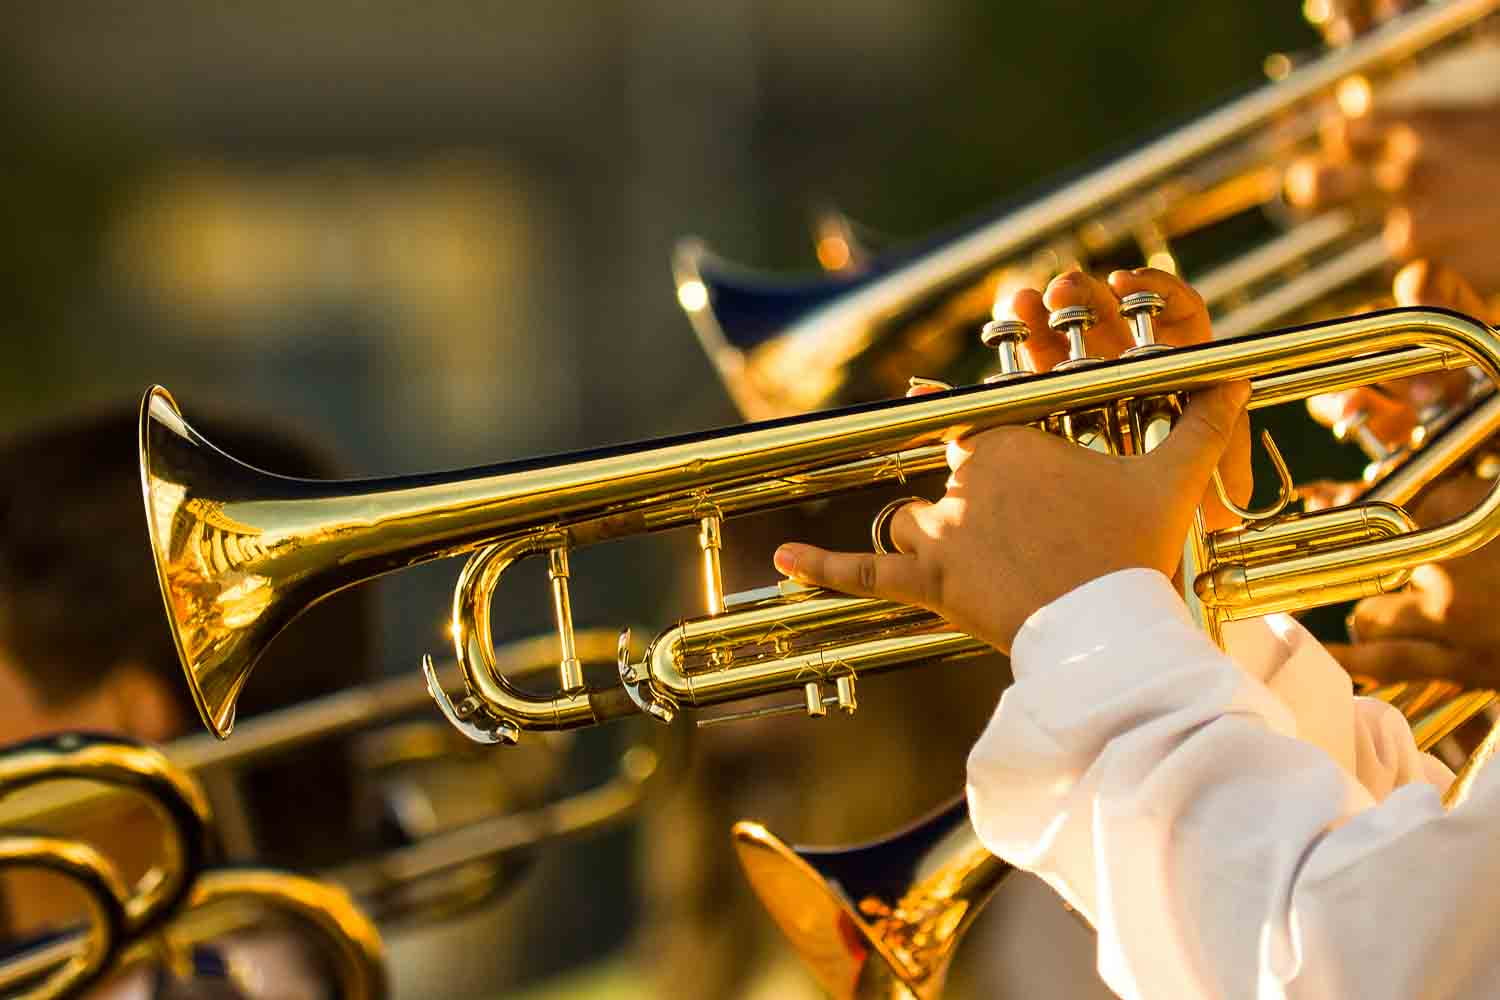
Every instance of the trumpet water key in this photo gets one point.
(240, 553)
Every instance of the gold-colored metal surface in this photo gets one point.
(419, 879)
(62, 972)
(349, 939)
(179, 902)
(882, 919)
(240, 553)
(1463, 782)
(792, 346)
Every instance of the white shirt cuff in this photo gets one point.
(1111, 640)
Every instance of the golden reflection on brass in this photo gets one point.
(178, 903)
(298, 540)
(880, 920)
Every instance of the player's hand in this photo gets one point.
(1028, 516)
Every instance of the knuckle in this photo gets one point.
(865, 573)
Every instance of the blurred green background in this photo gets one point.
(435, 235)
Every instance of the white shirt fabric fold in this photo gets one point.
(1234, 827)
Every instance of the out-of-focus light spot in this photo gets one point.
(1162, 261)
(1278, 66)
(1318, 12)
(692, 296)
(1301, 183)
(833, 253)
(1354, 96)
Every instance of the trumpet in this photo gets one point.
(785, 346)
(449, 862)
(240, 553)
(182, 901)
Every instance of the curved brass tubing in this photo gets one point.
(794, 637)
(175, 798)
(75, 968)
(497, 711)
(346, 936)
(178, 903)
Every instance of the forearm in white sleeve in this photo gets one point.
(1162, 790)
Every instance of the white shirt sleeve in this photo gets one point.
(1233, 827)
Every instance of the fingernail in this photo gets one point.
(785, 560)
(1352, 627)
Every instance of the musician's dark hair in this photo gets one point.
(78, 597)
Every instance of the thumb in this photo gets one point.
(1193, 450)
(893, 577)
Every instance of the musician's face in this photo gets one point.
(127, 700)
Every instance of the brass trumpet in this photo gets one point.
(180, 902)
(240, 553)
(786, 346)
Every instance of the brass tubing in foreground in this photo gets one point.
(176, 904)
(177, 801)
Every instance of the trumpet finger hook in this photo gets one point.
(880, 525)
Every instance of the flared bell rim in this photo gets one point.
(755, 845)
(158, 406)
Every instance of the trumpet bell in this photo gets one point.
(233, 562)
(880, 919)
(739, 316)
(200, 598)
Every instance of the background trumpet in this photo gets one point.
(178, 903)
(789, 346)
